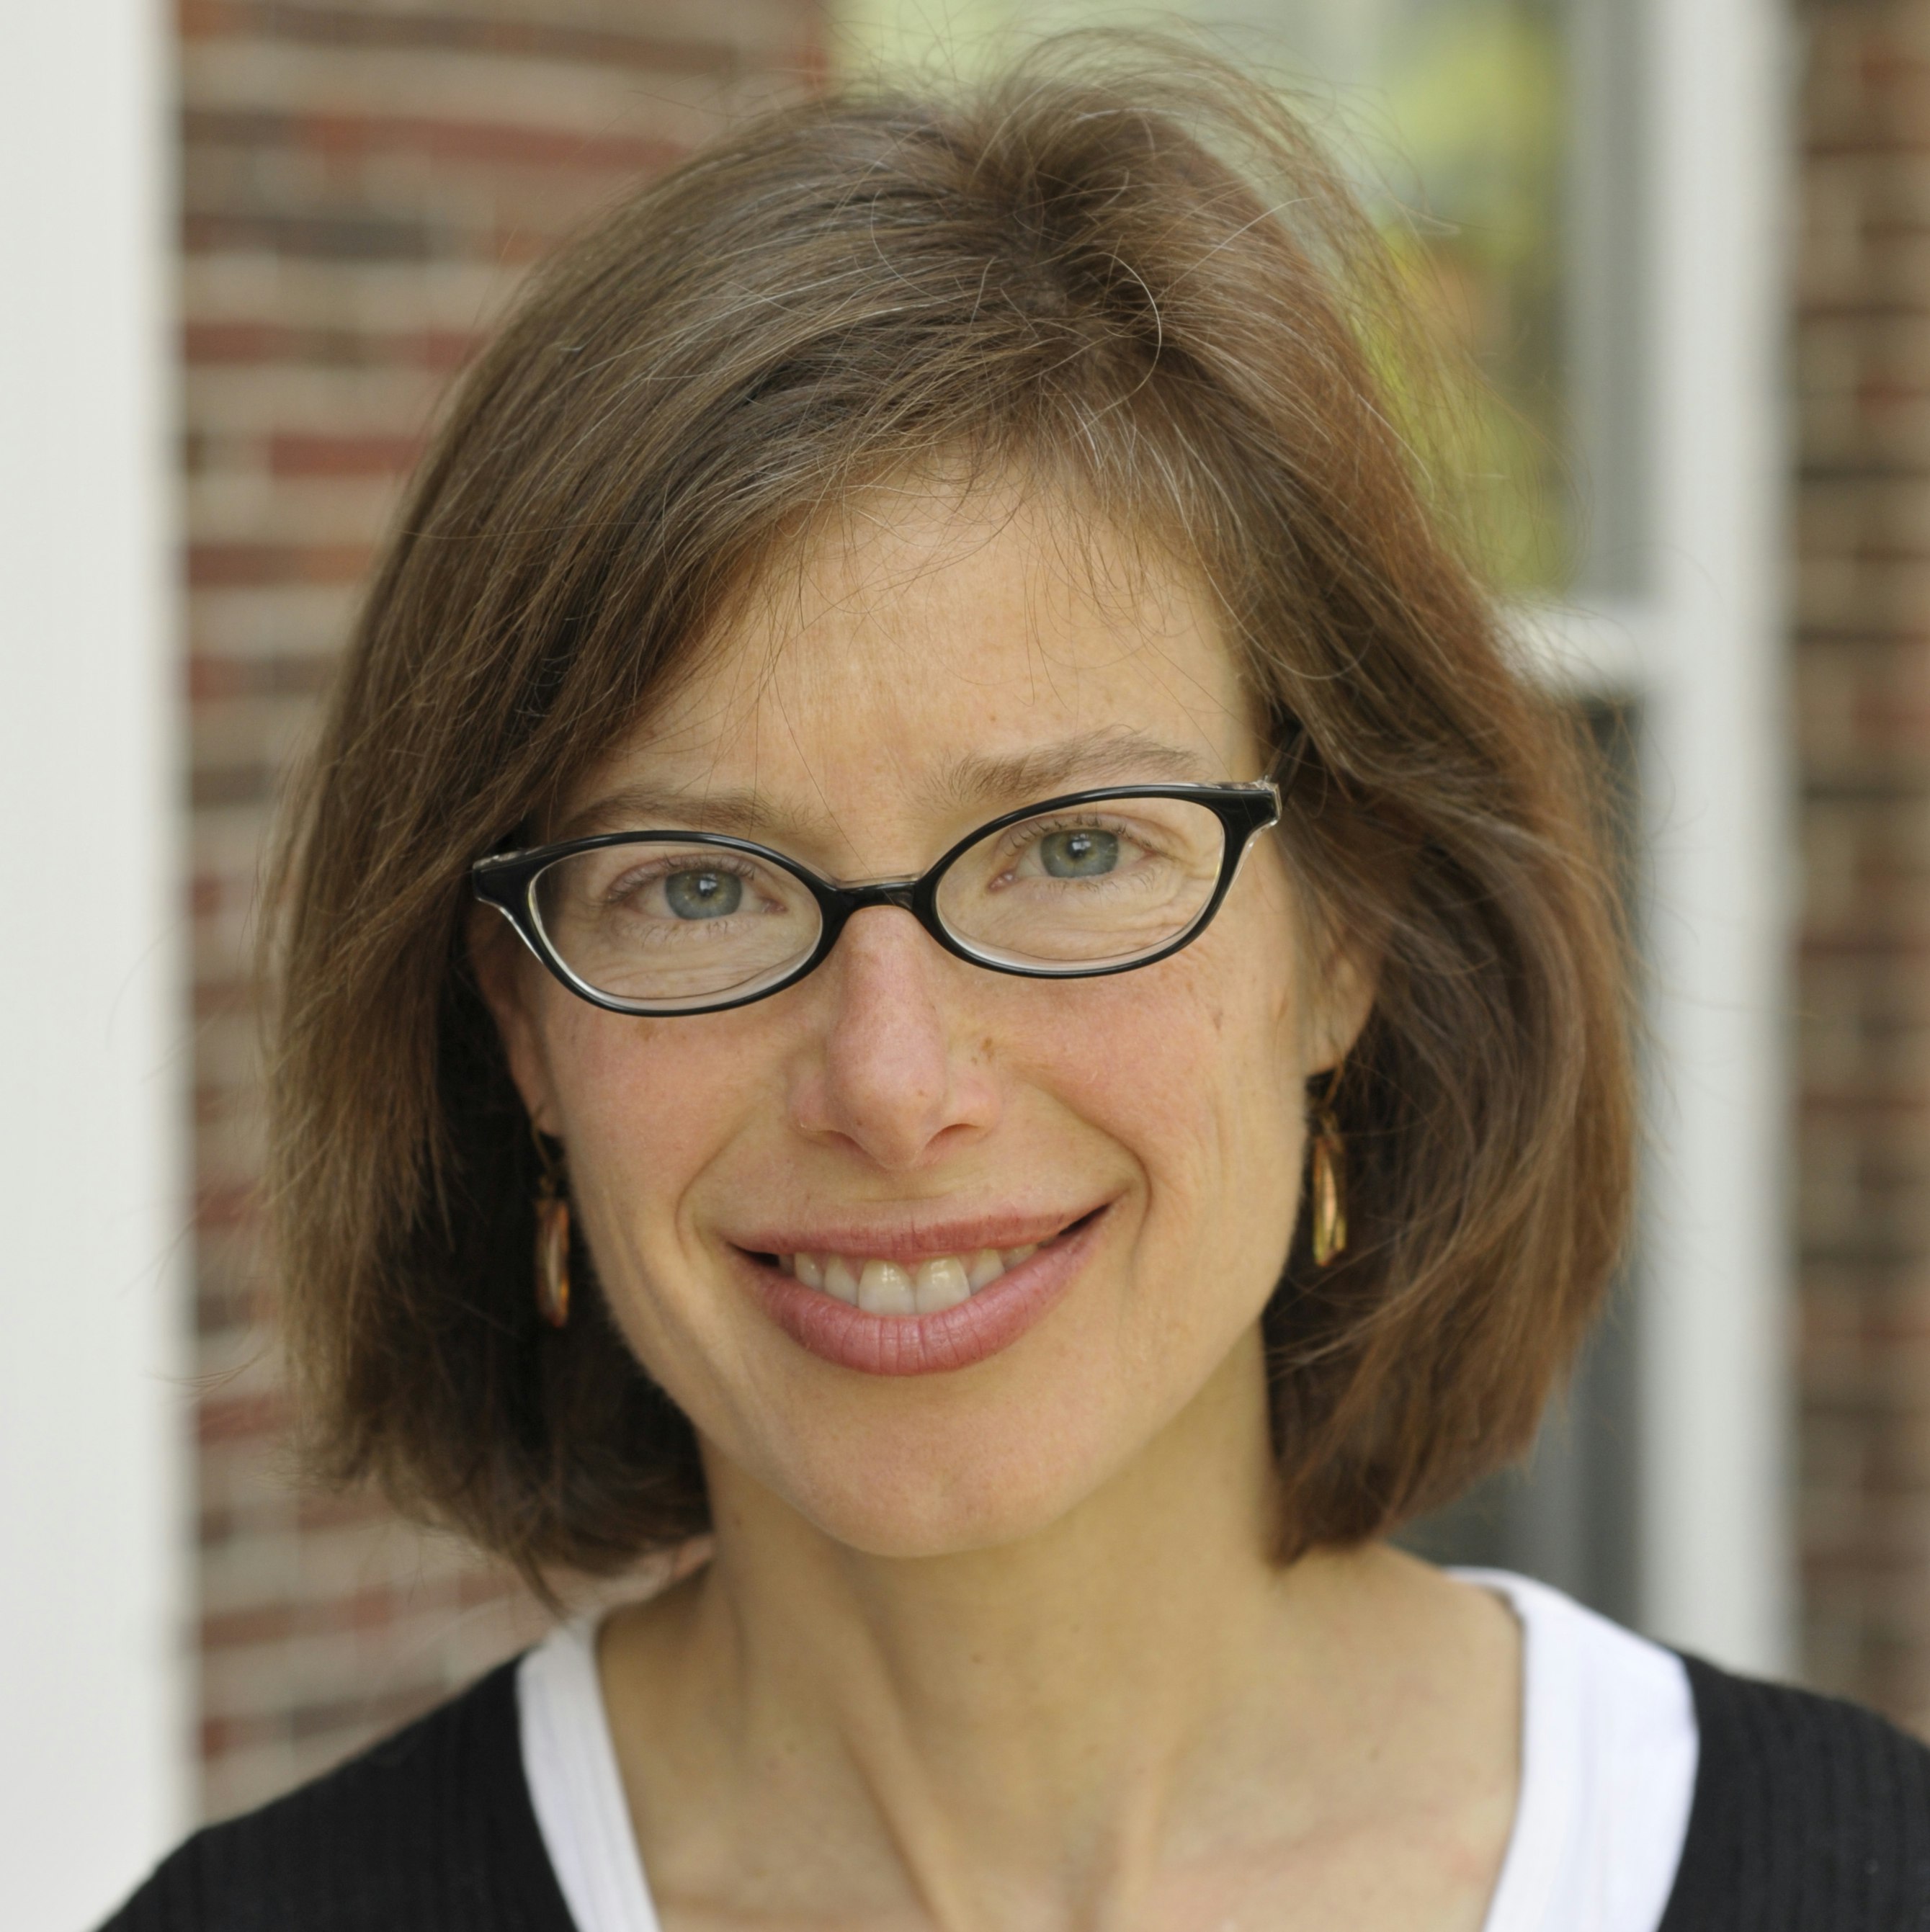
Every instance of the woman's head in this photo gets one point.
(890, 467)
(931, 661)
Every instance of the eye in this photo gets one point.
(1084, 852)
(703, 895)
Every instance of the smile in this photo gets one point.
(908, 1313)
(885, 1288)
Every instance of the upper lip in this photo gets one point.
(908, 1240)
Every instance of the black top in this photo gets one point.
(1809, 1816)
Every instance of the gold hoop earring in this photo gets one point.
(1327, 1167)
(552, 1239)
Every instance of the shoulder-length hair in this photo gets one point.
(1125, 271)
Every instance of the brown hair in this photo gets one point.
(1126, 270)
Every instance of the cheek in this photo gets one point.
(1195, 1070)
(644, 1106)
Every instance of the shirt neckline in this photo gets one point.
(1568, 1864)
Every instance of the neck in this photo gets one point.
(1004, 1734)
(997, 1672)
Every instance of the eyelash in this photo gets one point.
(654, 871)
(1037, 830)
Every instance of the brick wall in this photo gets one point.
(1862, 678)
(364, 182)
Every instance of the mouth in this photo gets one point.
(881, 1287)
(915, 1308)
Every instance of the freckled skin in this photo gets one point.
(897, 1074)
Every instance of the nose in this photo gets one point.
(891, 1077)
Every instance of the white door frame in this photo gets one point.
(1701, 647)
(1715, 1332)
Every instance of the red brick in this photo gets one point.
(293, 455)
(232, 344)
(1862, 677)
(344, 137)
(213, 566)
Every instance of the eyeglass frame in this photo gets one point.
(507, 881)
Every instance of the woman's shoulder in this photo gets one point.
(1704, 1801)
(1809, 1813)
(430, 1829)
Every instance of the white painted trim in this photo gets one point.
(95, 1758)
(1701, 652)
(1608, 651)
(1717, 1574)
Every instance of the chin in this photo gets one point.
(947, 1529)
(946, 1505)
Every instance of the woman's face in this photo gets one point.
(922, 670)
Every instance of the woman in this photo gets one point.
(923, 811)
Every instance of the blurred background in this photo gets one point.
(248, 244)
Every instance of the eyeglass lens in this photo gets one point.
(667, 923)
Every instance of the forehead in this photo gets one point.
(915, 644)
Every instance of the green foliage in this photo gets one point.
(1451, 115)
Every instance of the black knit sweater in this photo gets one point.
(1809, 1816)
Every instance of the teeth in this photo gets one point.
(885, 1287)
(940, 1285)
(987, 1267)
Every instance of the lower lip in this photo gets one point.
(925, 1344)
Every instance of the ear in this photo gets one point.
(1346, 978)
(505, 975)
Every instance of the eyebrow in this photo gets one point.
(742, 813)
(980, 780)
(1113, 756)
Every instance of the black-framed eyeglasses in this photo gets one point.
(665, 922)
